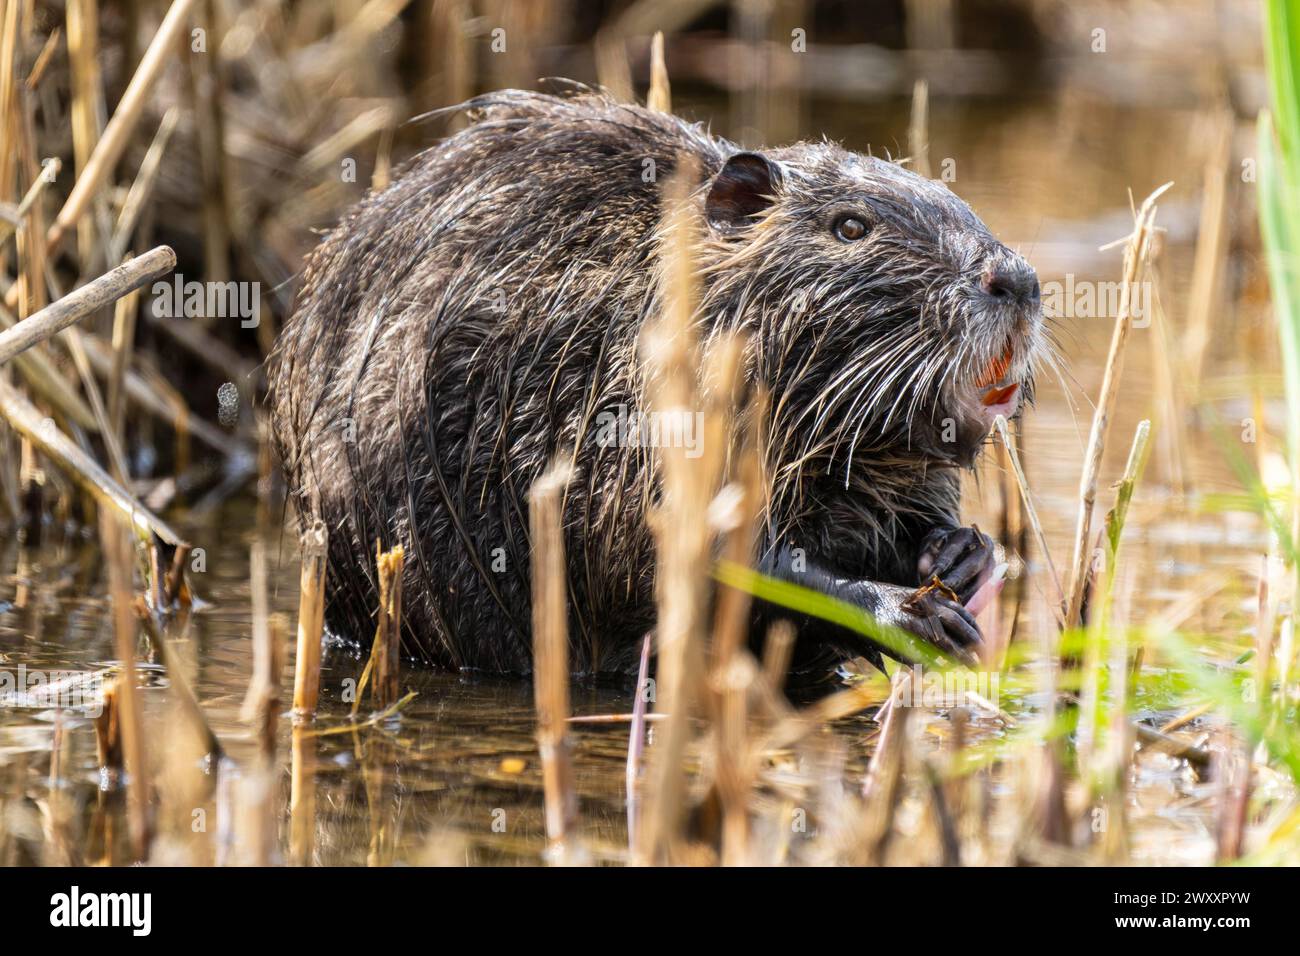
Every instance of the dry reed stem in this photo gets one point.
(1186, 717)
(949, 839)
(612, 70)
(43, 59)
(1211, 248)
(9, 36)
(918, 130)
(117, 556)
(87, 95)
(1100, 582)
(311, 620)
(778, 649)
(551, 653)
(206, 95)
(681, 526)
(344, 141)
(1113, 526)
(81, 302)
(387, 651)
(27, 420)
(882, 785)
(108, 728)
(1264, 647)
(261, 708)
(792, 728)
(660, 95)
(124, 314)
(45, 380)
(1167, 386)
(733, 671)
(118, 131)
(637, 19)
(1135, 256)
(731, 619)
(616, 718)
(142, 188)
(49, 174)
(116, 456)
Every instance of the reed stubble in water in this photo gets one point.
(311, 615)
(551, 656)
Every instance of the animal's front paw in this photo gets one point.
(934, 614)
(961, 558)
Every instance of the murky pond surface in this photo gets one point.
(456, 778)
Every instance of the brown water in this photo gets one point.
(442, 783)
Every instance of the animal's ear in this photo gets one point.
(741, 190)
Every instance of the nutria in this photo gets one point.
(462, 327)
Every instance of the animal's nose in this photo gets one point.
(1010, 281)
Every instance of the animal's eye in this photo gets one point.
(849, 228)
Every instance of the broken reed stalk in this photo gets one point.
(118, 131)
(117, 556)
(551, 652)
(731, 618)
(261, 708)
(91, 297)
(49, 173)
(882, 785)
(124, 314)
(1136, 254)
(108, 729)
(1115, 518)
(778, 650)
(732, 671)
(387, 652)
(660, 96)
(670, 351)
(311, 620)
(142, 186)
(918, 130)
(1106, 768)
(27, 420)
